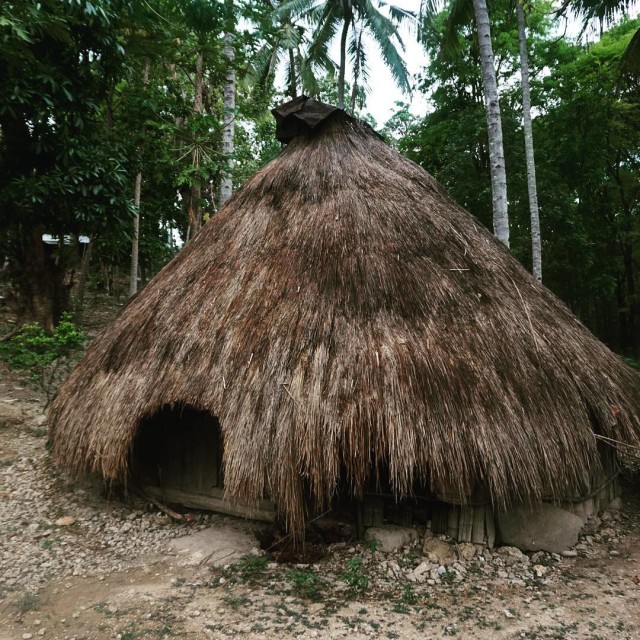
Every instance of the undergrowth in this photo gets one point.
(45, 357)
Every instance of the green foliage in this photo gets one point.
(235, 602)
(373, 544)
(251, 566)
(354, 576)
(409, 596)
(44, 356)
(633, 363)
(307, 584)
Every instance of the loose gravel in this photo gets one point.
(76, 563)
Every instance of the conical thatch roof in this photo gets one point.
(341, 314)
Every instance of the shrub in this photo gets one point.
(46, 357)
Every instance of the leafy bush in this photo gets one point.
(46, 357)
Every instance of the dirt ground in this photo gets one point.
(75, 564)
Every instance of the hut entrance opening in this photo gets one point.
(178, 450)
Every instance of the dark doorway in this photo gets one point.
(179, 448)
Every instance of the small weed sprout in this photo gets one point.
(306, 584)
(409, 596)
(28, 601)
(373, 545)
(235, 602)
(251, 566)
(354, 576)
(448, 577)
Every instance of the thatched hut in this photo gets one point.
(343, 325)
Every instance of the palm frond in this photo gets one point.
(264, 65)
(398, 14)
(384, 32)
(294, 8)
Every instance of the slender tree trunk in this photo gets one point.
(494, 124)
(356, 73)
(536, 249)
(195, 193)
(293, 86)
(82, 279)
(343, 53)
(135, 239)
(133, 274)
(226, 183)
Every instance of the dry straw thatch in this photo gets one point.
(342, 315)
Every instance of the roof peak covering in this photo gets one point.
(301, 115)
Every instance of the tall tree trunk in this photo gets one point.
(229, 100)
(85, 263)
(356, 73)
(135, 239)
(293, 85)
(343, 51)
(494, 124)
(536, 249)
(193, 210)
(133, 273)
(43, 295)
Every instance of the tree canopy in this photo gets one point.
(94, 93)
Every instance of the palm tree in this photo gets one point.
(285, 40)
(459, 12)
(229, 106)
(344, 16)
(494, 124)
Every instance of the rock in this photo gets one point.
(438, 551)
(393, 570)
(541, 526)
(539, 570)
(571, 553)
(65, 521)
(422, 569)
(466, 550)
(615, 504)
(512, 555)
(214, 546)
(391, 537)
